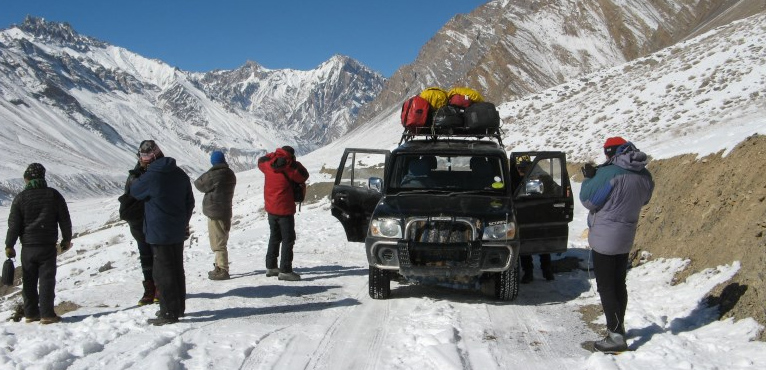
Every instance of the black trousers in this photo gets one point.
(611, 272)
(282, 230)
(38, 265)
(170, 279)
(527, 265)
(145, 254)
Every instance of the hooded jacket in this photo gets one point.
(218, 185)
(277, 167)
(614, 197)
(168, 201)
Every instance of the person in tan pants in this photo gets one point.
(218, 185)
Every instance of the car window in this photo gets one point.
(439, 172)
(360, 167)
(544, 179)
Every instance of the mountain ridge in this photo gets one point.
(509, 49)
(94, 101)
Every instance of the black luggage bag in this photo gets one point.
(481, 117)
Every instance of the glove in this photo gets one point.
(588, 170)
(10, 252)
(65, 246)
(187, 232)
(279, 162)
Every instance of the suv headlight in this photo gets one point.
(500, 231)
(386, 227)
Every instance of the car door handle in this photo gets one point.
(559, 205)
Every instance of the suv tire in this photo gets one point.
(380, 283)
(507, 284)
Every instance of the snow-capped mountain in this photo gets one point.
(508, 49)
(81, 106)
(318, 104)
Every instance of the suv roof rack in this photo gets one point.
(435, 133)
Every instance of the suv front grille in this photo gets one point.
(439, 231)
(440, 242)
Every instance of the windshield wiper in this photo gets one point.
(423, 191)
(480, 191)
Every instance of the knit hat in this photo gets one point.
(217, 157)
(34, 171)
(611, 145)
(149, 149)
(289, 149)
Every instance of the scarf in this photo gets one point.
(36, 184)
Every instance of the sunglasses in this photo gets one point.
(146, 155)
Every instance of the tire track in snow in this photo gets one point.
(531, 336)
(361, 329)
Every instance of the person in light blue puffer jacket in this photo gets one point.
(614, 193)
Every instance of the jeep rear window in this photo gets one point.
(454, 173)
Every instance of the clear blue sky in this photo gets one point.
(203, 35)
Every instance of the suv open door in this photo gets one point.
(358, 187)
(543, 201)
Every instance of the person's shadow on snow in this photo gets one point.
(316, 272)
(241, 312)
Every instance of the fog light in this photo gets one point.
(386, 254)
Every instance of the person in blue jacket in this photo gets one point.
(614, 193)
(168, 205)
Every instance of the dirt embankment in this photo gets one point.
(712, 210)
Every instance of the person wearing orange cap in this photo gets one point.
(614, 193)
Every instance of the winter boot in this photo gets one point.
(218, 274)
(613, 343)
(162, 320)
(289, 276)
(149, 291)
(272, 272)
(548, 274)
(50, 320)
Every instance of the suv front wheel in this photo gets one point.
(507, 284)
(380, 283)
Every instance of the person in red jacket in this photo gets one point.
(280, 168)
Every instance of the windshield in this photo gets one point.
(453, 173)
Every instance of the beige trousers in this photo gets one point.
(219, 236)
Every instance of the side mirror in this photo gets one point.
(375, 183)
(533, 187)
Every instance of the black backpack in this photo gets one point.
(299, 190)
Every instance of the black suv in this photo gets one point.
(452, 208)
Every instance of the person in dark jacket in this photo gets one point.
(279, 169)
(35, 214)
(614, 193)
(218, 185)
(168, 206)
(132, 211)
